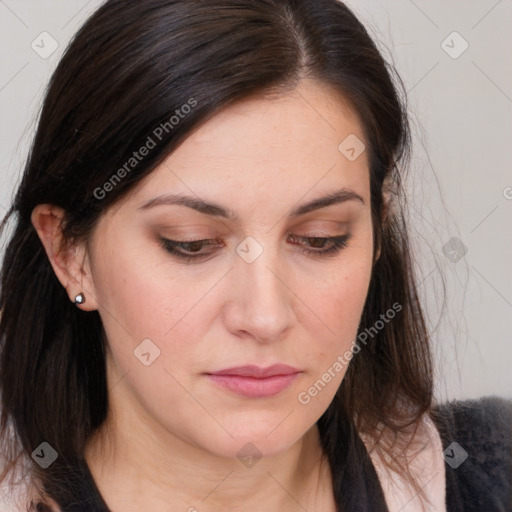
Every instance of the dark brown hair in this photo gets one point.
(126, 72)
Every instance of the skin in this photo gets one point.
(172, 436)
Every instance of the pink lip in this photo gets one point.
(253, 381)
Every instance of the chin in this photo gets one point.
(251, 440)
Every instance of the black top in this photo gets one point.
(483, 428)
(477, 447)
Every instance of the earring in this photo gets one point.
(80, 298)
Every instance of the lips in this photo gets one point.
(253, 381)
(257, 372)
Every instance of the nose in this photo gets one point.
(260, 305)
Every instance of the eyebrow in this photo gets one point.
(209, 208)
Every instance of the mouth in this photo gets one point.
(254, 381)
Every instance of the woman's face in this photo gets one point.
(261, 290)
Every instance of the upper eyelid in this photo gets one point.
(225, 231)
(164, 240)
(215, 239)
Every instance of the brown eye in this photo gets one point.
(194, 246)
(187, 249)
(318, 242)
(309, 244)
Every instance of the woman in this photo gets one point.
(208, 300)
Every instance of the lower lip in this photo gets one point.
(254, 387)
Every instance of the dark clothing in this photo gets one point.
(483, 428)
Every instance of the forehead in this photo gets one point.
(280, 147)
(306, 122)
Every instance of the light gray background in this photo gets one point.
(460, 179)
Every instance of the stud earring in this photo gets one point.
(80, 298)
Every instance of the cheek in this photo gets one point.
(136, 288)
(340, 302)
(340, 296)
(146, 310)
(337, 301)
(346, 301)
(142, 297)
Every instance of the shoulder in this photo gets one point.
(482, 424)
(477, 448)
(420, 451)
(484, 411)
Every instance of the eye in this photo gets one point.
(189, 250)
(317, 245)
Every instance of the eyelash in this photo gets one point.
(338, 243)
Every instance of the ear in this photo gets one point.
(386, 199)
(70, 262)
